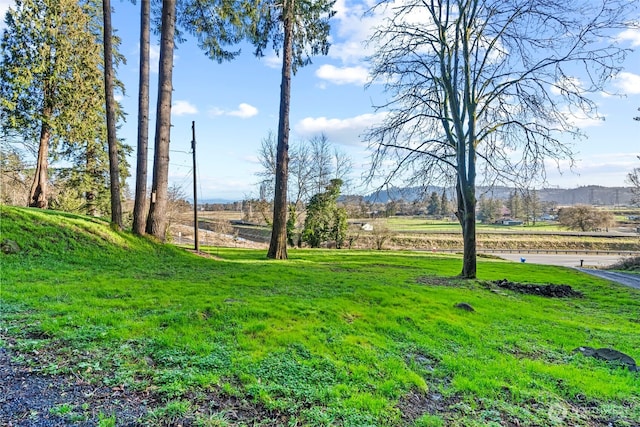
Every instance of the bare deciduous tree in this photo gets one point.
(489, 88)
(321, 169)
(584, 218)
(312, 165)
(633, 178)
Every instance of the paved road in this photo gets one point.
(576, 261)
(627, 279)
(565, 260)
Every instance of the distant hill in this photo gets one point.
(590, 195)
(213, 201)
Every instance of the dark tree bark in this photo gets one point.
(38, 192)
(467, 216)
(278, 244)
(157, 219)
(139, 208)
(112, 141)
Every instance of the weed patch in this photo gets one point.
(630, 264)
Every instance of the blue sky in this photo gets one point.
(235, 105)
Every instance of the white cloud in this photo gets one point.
(629, 83)
(154, 57)
(272, 61)
(356, 21)
(342, 131)
(183, 108)
(244, 111)
(354, 24)
(632, 35)
(581, 120)
(343, 75)
(601, 169)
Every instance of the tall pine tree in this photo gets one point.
(157, 219)
(52, 94)
(300, 28)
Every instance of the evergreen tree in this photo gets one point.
(433, 207)
(157, 220)
(301, 29)
(215, 23)
(325, 220)
(444, 204)
(14, 176)
(52, 93)
(111, 111)
(140, 204)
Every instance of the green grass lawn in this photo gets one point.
(329, 337)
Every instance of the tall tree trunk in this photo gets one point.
(92, 171)
(466, 212)
(114, 164)
(38, 192)
(278, 244)
(157, 219)
(469, 252)
(139, 213)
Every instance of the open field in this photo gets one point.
(417, 224)
(404, 232)
(328, 338)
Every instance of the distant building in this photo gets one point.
(508, 221)
(365, 226)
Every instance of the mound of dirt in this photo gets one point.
(548, 290)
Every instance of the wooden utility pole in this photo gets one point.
(195, 189)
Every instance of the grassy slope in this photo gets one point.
(327, 338)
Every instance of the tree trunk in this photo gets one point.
(278, 244)
(157, 219)
(114, 164)
(93, 172)
(139, 213)
(38, 192)
(466, 214)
